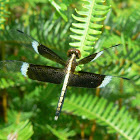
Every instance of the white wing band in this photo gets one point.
(106, 81)
(35, 45)
(98, 55)
(24, 68)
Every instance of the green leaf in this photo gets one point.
(21, 131)
(105, 113)
(62, 134)
(3, 13)
(89, 25)
(60, 9)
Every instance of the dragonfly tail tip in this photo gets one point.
(56, 118)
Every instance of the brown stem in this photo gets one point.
(4, 104)
(93, 128)
(82, 131)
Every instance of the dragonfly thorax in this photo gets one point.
(71, 61)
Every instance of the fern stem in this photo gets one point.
(104, 113)
(88, 27)
(4, 104)
(93, 128)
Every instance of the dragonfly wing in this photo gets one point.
(34, 72)
(33, 44)
(92, 80)
(94, 56)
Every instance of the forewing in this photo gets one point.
(94, 56)
(33, 44)
(34, 72)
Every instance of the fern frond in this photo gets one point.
(62, 134)
(128, 23)
(105, 113)
(22, 130)
(59, 9)
(16, 80)
(3, 13)
(17, 116)
(89, 24)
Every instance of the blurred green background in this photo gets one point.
(27, 108)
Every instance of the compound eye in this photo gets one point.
(78, 54)
(75, 51)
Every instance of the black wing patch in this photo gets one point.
(92, 80)
(94, 56)
(34, 72)
(45, 74)
(33, 44)
(56, 75)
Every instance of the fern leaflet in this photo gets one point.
(22, 130)
(105, 113)
(62, 134)
(87, 28)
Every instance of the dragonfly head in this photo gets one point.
(75, 51)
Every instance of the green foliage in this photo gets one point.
(117, 121)
(89, 25)
(59, 9)
(31, 105)
(3, 12)
(16, 80)
(61, 134)
(20, 131)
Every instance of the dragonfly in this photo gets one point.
(67, 75)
